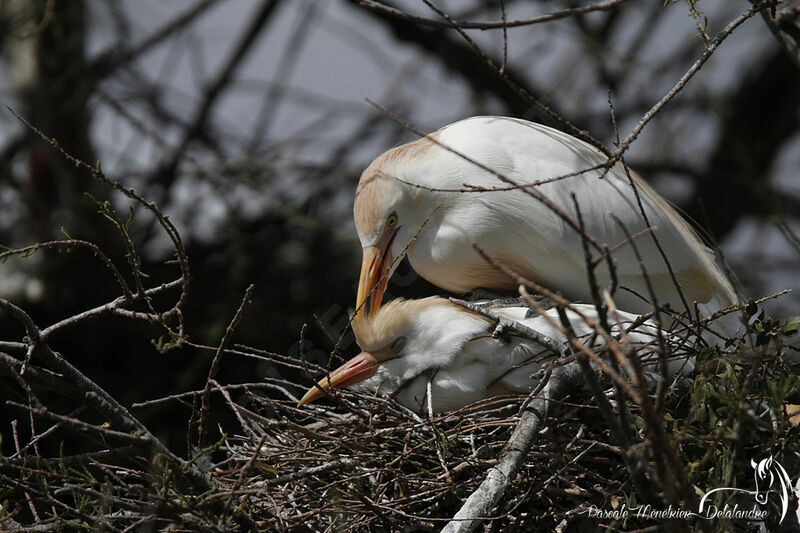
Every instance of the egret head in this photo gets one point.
(403, 340)
(389, 213)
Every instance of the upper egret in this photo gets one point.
(434, 197)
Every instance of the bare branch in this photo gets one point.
(466, 24)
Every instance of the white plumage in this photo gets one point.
(411, 342)
(413, 198)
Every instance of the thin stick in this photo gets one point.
(212, 372)
(466, 24)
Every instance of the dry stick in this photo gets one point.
(33, 442)
(81, 426)
(466, 24)
(234, 408)
(594, 289)
(18, 448)
(212, 372)
(41, 377)
(113, 307)
(669, 462)
(527, 98)
(622, 427)
(12, 346)
(661, 387)
(468, 188)
(242, 478)
(433, 428)
(709, 50)
(646, 221)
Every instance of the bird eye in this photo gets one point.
(398, 344)
(392, 220)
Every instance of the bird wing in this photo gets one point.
(526, 153)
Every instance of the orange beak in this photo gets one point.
(356, 369)
(376, 269)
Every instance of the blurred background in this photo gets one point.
(247, 123)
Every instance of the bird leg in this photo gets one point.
(487, 298)
(505, 327)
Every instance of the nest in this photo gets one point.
(357, 462)
(369, 464)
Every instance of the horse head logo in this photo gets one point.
(768, 473)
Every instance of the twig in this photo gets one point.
(434, 430)
(83, 427)
(212, 372)
(18, 449)
(466, 24)
(524, 95)
(114, 307)
(707, 52)
(505, 37)
(646, 220)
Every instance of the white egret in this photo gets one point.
(427, 200)
(409, 343)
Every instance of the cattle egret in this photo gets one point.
(412, 346)
(427, 200)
